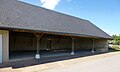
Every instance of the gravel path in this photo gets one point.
(110, 64)
(106, 62)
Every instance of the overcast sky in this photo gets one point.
(103, 13)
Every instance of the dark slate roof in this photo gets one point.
(16, 14)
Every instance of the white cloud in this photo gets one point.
(50, 4)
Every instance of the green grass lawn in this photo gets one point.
(114, 48)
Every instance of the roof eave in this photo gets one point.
(51, 32)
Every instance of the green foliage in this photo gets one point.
(116, 47)
(116, 40)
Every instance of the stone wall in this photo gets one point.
(5, 45)
(101, 45)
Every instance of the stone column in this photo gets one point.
(5, 45)
(93, 46)
(73, 45)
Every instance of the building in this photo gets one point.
(27, 28)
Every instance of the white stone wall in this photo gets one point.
(5, 42)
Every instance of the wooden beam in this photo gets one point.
(38, 36)
(53, 33)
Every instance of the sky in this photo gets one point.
(103, 13)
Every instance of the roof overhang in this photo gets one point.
(53, 33)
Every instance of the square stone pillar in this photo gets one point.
(5, 45)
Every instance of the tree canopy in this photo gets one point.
(116, 40)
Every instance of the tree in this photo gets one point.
(116, 40)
